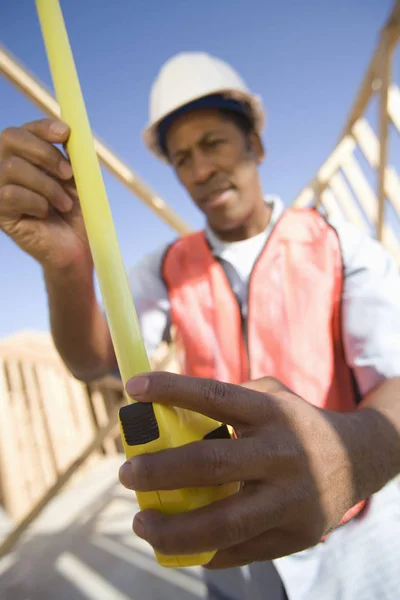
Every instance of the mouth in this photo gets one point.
(217, 197)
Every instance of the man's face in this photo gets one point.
(217, 164)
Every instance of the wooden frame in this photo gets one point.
(52, 426)
(111, 429)
(357, 133)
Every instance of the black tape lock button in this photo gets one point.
(139, 423)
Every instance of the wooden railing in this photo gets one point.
(47, 420)
(52, 427)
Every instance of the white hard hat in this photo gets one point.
(189, 77)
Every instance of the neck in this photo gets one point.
(254, 225)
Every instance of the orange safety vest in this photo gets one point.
(294, 312)
(293, 326)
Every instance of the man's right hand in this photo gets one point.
(39, 206)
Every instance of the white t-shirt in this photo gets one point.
(371, 295)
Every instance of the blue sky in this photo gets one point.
(306, 59)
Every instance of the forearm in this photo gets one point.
(373, 437)
(78, 327)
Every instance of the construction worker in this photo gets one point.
(262, 291)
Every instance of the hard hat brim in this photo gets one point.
(150, 134)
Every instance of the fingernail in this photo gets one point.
(59, 128)
(138, 386)
(138, 527)
(125, 474)
(68, 204)
(64, 202)
(65, 169)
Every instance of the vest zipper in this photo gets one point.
(245, 320)
(245, 333)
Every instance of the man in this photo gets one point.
(263, 291)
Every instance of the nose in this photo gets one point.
(202, 167)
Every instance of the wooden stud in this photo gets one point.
(53, 414)
(367, 199)
(389, 34)
(99, 406)
(330, 203)
(81, 407)
(326, 171)
(385, 68)
(305, 197)
(10, 457)
(5, 547)
(346, 201)
(394, 105)
(27, 472)
(45, 455)
(369, 145)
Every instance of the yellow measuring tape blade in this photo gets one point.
(121, 314)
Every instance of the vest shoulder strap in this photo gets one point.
(186, 258)
(302, 225)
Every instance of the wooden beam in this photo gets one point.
(330, 166)
(385, 71)
(394, 105)
(305, 197)
(10, 457)
(368, 200)
(39, 426)
(5, 547)
(97, 397)
(389, 35)
(29, 478)
(346, 201)
(330, 203)
(391, 30)
(35, 91)
(392, 26)
(369, 146)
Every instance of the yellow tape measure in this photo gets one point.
(144, 428)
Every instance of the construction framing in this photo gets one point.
(340, 184)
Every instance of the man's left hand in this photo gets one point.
(294, 461)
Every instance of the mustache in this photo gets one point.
(212, 186)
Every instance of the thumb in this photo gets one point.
(223, 402)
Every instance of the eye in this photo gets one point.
(214, 143)
(180, 161)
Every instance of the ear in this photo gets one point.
(256, 147)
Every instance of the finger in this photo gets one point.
(16, 201)
(20, 172)
(231, 404)
(219, 525)
(70, 187)
(270, 545)
(50, 130)
(204, 463)
(25, 144)
(268, 385)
